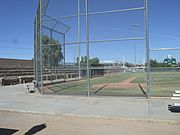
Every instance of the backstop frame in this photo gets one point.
(38, 65)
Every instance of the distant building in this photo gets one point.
(170, 60)
(111, 63)
(5, 62)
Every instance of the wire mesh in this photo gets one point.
(63, 63)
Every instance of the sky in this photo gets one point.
(17, 20)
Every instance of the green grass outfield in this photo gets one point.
(162, 84)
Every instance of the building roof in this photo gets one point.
(6, 62)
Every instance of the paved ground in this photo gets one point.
(15, 98)
(69, 115)
(73, 125)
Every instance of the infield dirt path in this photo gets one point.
(123, 84)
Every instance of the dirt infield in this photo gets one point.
(75, 125)
(123, 84)
(48, 90)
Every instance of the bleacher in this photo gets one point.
(15, 75)
(15, 71)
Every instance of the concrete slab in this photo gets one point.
(15, 98)
(175, 98)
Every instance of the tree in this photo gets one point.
(129, 64)
(83, 61)
(155, 63)
(52, 54)
(94, 60)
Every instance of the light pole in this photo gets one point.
(135, 26)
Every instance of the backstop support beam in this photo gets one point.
(97, 13)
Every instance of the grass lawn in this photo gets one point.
(162, 84)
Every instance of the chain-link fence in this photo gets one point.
(84, 49)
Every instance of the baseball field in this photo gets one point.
(163, 84)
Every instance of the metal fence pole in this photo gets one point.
(87, 47)
(64, 51)
(41, 63)
(79, 40)
(50, 62)
(35, 48)
(34, 65)
(147, 49)
(36, 52)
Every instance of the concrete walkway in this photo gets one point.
(14, 98)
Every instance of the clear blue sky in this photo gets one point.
(17, 18)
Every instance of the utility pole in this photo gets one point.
(135, 57)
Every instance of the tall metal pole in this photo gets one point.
(135, 26)
(35, 48)
(87, 47)
(135, 53)
(41, 63)
(64, 57)
(50, 62)
(147, 49)
(36, 51)
(34, 65)
(79, 40)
